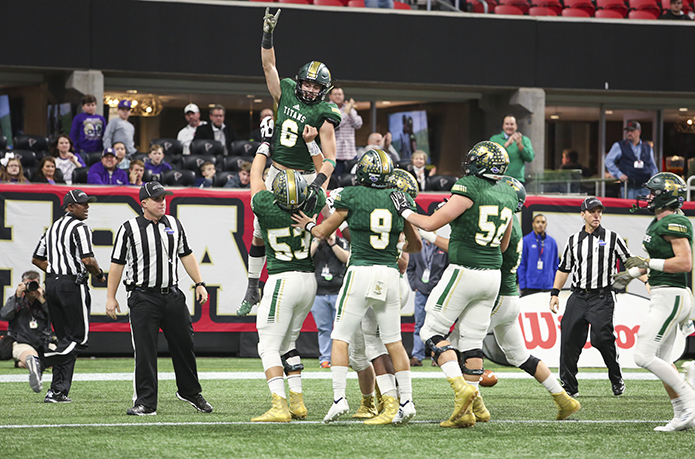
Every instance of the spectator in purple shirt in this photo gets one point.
(106, 172)
(88, 127)
(155, 161)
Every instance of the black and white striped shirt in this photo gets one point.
(64, 245)
(591, 258)
(149, 251)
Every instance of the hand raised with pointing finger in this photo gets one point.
(270, 20)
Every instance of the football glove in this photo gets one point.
(270, 20)
(636, 262)
(400, 202)
(267, 128)
(621, 280)
(312, 198)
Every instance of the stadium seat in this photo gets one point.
(221, 178)
(585, 5)
(171, 146)
(356, 3)
(349, 164)
(80, 174)
(608, 14)
(175, 177)
(3, 142)
(402, 163)
(194, 162)
(141, 156)
(148, 176)
(328, 3)
(612, 5)
(440, 182)
(646, 5)
(206, 147)
(400, 5)
(541, 11)
(346, 179)
(31, 142)
(26, 157)
(245, 147)
(91, 158)
(575, 13)
(554, 5)
(638, 14)
(523, 5)
(272, 1)
(233, 163)
(508, 9)
(296, 2)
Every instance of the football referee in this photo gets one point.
(590, 256)
(148, 245)
(65, 253)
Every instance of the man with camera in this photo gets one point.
(65, 253)
(28, 327)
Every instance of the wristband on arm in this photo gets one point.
(314, 149)
(555, 292)
(319, 180)
(657, 264)
(267, 42)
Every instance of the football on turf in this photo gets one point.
(488, 378)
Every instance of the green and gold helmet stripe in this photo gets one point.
(292, 195)
(385, 161)
(313, 70)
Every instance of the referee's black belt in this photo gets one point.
(591, 291)
(70, 277)
(160, 290)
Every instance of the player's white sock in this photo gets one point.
(451, 369)
(474, 383)
(677, 407)
(277, 386)
(368, 395)
(295, 383)
(256, 266)
(551, 383)
(387, 386)
(339, 375)
(405, 387)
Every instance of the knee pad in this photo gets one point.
(257, 251)
(359, 362)
(643, 359)
(291, 361)
(530, 365)
(470, 354)
(270, 359)
(431, 346)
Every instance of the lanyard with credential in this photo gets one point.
(539, 265)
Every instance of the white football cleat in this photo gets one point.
(406, 411)
(339, 408)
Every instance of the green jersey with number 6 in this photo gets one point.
(374, 225)
(476, 234)
(676, 225)
(287, 248)
(292, 114)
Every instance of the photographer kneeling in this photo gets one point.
(27, 314)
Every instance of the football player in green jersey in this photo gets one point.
(292, 283)
(372, 279)
(480, 216)
(300, 108)
(668, 242)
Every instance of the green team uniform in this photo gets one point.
(510, 261)
(287, 248)
(292, 114)
(374, 225)
(486, 220)
(656, 246)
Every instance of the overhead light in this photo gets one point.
(609, 112)
(554, 117)
(257, 101)
(682, 109)
(250, 96)
(211, 105)
(143, 105)
(132, 91)
(386, 102)
(690, 122)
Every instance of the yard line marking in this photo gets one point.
(300, 423)
(217, 375)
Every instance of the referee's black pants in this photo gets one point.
(149, 311)
(68, 307)
(584, 309)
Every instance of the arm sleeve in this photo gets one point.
(410, 270)
(556, 257)
(80, 159)
(566, 263)
(40, 251)
(184, 248)
(9, 310)
(355, 119)
(527, 154)
(613, 155)
(75, 133)
(655, 168)
(621, 249)
(108, 135)
(83, 241)
(120, 246)
(93, 177)
(521, 270)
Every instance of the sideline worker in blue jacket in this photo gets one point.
(539, 259)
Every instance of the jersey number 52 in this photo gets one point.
(491, 235)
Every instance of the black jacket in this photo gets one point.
(205, 132)
(417, 265)
(19, 313)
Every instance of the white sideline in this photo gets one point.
(306, 375)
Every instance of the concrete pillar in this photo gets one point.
(88, 82)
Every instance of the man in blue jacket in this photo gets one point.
(632, 161)
(539, 259)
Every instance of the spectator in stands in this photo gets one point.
(570, 161)
(539, 259)
(217, 129)
(135, 172)
(106, 172)
(208, 172)
(121, 130)
(155, 160)
(11, 170)
(631, 160)
(419, 168)
(256, 133)
(345, 133)
(88, 127)
(242, 179)
(518, 147)
(675, 12)
(122, 156)
(382, 142)
(66, 158)
(185, 136)
(45, 173)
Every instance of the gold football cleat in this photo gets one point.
(297, 408)
(480, 410)
(279, 412)
(367, 409)
(566, 405)
(390, 412)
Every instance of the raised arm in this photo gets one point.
(272, 78)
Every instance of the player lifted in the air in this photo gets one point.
(300, 107)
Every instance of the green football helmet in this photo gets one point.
(404, 181)
(290, 190)
(486, 159)
(374, 169)
(667, 191)
(315, 72)
(519, 188)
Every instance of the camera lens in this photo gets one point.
(32, 286)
